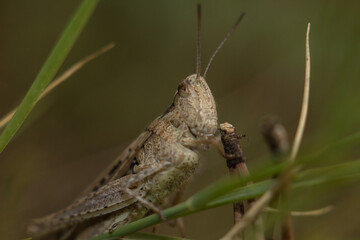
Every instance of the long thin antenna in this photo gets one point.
(198, 54)
(223, 42)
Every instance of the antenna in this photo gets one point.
(198, 54)
(223, 42)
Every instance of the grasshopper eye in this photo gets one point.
(183, 90)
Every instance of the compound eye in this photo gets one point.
(183, 90)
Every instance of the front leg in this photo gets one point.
(203, 143)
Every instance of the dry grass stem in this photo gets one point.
(236, 162)
(305, 104)
(284, 178)
(287, 230)
(258, 207)
(276, 137)
(311, 213)
(61, 79)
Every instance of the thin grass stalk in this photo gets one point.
(68, 73)
(290, 171)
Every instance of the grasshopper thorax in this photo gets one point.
(196, 106)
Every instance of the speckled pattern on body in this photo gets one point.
(155, 165)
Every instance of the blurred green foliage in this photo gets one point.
(79, 128)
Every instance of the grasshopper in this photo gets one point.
(150, 170)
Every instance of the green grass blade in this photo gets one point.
(320, 155)
(151, 236)
(192, 204)
(220, 188)
(143, 223)
(308, 178)
(49, 69)
(325, 175)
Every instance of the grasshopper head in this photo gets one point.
(194, 102)
(196, 106)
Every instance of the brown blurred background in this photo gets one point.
(73, 133)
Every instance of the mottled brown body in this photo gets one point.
(147, 173)
(154, 166)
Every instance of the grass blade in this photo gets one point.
(49, 69)
(151, 236)
(326, 175)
